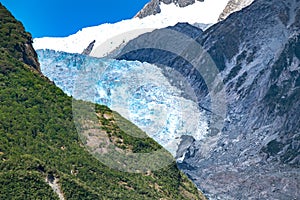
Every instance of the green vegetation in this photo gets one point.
(24, 185)
(15, 40)
(39, 140)
(118, 127)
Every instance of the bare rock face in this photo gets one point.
(18, 46)
(233, 6)
(153, 7)
(29, 55)
(89, 49)
(256, 154)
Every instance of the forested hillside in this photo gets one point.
(41, 155)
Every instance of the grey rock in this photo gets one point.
(153, 7)
(233, 6)
(164, 58)
(184, 145)
(187, 29)
(89, 48)
(260, 145)
(256, 153)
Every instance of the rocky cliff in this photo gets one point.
(256, 152)
(153, 7)
(16, 40)
(233, 6)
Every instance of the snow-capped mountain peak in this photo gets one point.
(234, 6)
(208, 7)
(206, 12)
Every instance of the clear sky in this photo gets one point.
(64, 17)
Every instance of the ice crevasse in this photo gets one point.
(138, 91)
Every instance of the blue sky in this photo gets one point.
(64, 17)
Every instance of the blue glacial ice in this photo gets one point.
(138, 91)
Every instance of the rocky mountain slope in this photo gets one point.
(42, 154)
(111, 36)
(156, 14)
(255, 154)
(153, 7)
(208, 12)
(233, 6)
(21, 46)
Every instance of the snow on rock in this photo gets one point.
(234, 6)
(206, 12)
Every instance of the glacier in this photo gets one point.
(204, 13)
(138, 91)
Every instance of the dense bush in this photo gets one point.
(38, 139)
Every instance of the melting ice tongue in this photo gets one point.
(138, 91)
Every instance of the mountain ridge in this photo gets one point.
(153, 7)
(206, 12)
(21, 48)
(256, 153)
(41, 153)
(259, 65)
(233, 6)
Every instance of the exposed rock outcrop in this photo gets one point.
(153, 7)
(16, 40)
(89, 49)
(256, 153)
(233, 6)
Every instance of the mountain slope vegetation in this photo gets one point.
(41, 155)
